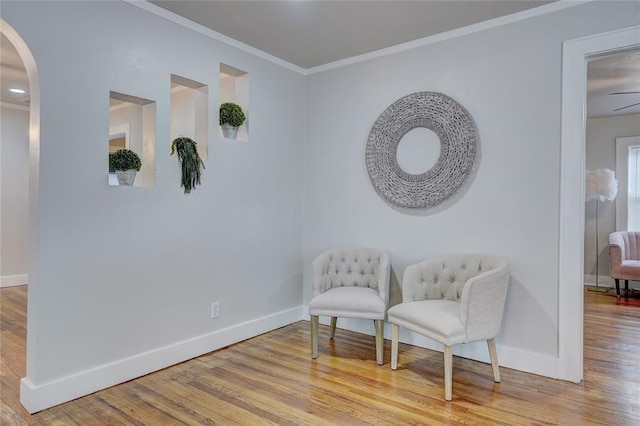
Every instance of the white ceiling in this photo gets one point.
(312, 33)
(12, 74)
(613, 74)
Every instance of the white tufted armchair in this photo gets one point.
(352, 283)
(455, 299)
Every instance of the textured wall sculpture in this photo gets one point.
(458, 138)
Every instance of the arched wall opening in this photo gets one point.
(34, 165)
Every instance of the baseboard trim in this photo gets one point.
(37, 397)
(13, 280)
(589, 281)
(606, 281)
(517, 359)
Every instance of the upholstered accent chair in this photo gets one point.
(452, 300)
(624, 258)
(351, 283)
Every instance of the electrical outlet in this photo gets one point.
(215, 309)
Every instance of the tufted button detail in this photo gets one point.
(464, 267)
(413, 298)
(453, 280)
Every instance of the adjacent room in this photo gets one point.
(182, 180)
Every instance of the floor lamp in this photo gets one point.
(601, 185)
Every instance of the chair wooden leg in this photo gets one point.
(448, 371)
(379, 326)
(315, 321)
(395, 335)
(626, 288)
(332, 332)
(617, 287)
(493, 354)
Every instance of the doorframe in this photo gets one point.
(575, 54)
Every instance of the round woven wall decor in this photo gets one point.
(457, 132)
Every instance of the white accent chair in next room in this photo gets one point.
(352, 283)
(455, 299)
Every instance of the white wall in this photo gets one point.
(126, 276)
(509, 80)
(14, 157)
(601, 153)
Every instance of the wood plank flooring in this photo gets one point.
(272, 380)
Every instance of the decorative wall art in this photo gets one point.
(459, 152)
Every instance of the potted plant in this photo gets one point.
(126, 164)
(190, 161)
(231, 117)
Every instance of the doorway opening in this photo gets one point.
(29, 65)
(575, 56)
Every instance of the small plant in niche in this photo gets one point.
(231, 117)
(125, 163)
(189, 160)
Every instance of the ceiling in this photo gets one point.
(313, 33)
(613, 74)
(12, 74)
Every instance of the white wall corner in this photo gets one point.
(13, 280)
(39, 397)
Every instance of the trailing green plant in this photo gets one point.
(123, 160)
(188, 157)
(231, 114)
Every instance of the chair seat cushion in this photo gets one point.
(349, 302)
(630, 270)
(436, 319)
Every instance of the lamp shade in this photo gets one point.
(601, 185)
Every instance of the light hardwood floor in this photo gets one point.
(271, 379)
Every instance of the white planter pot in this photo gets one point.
(126, 178)
(229, 132)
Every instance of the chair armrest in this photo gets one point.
(320, 265)
(482, 303)
(384, 277)
(615, 260)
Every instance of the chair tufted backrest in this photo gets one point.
(443, 278)
(629, 243)
(351, 267)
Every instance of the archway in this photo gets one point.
(34, 166)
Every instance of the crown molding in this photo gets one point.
(448, 35)
(436, 38)
(180, 20)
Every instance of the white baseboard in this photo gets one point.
(530, 362)
(37, 397)
(603, 281)
(608, 282)
(13, 280)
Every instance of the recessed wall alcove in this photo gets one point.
(132, 125)
(190, 111)
(234, 87)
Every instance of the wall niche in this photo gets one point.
(190, 111)
(234, 87)
(132, 125)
